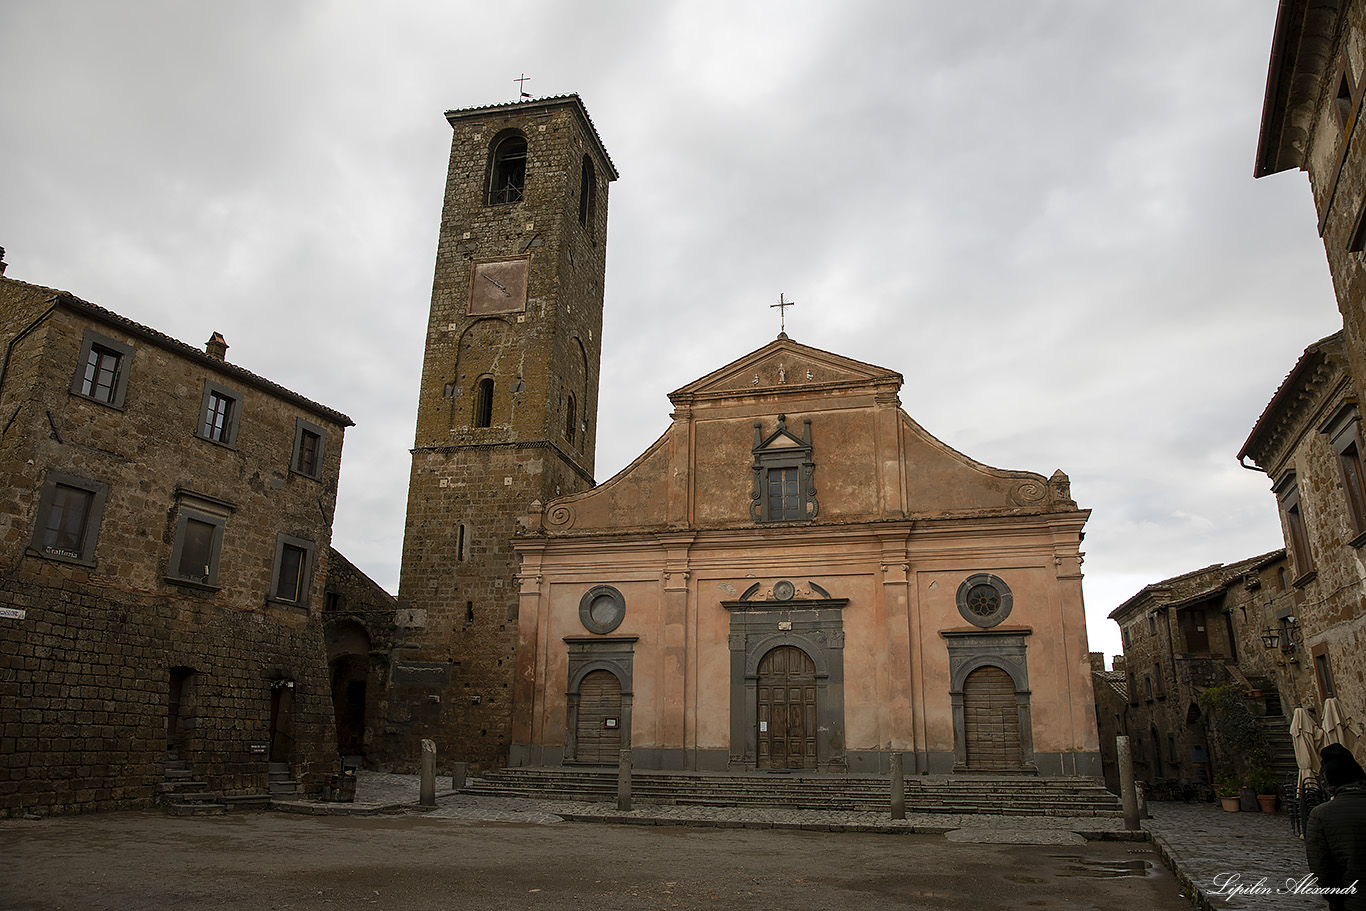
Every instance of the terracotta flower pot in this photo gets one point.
(1230, 804)
(1268, 802)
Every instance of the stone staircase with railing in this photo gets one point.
(1022, 795)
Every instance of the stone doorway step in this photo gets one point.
(181, 795)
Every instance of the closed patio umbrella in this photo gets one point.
(1337, 726)
(1305, 735)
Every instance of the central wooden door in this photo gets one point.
(991, 720)
(598, 729)
(787, 710)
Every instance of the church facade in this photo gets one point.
(796, 575)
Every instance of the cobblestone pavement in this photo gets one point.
(1206, 847)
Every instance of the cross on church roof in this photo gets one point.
(521, 81)
(782, 306)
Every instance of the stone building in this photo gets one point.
(164, 533)
(1308, 440)
(1312, 108)
(1184, 635)
(358, 627)
(1309, 443)
(796, 575)
(507, 411)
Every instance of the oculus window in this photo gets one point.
(984, 600)
(601, 609)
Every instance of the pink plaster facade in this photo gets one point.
(893, 529)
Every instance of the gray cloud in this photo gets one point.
(1041, 214)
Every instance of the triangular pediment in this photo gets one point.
(783, 440)
(784, 365)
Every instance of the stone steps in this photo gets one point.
(281, 782)
(181, 795)
(1023, 795)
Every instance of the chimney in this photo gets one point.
(216, 347)
(1097, 662)
(1118, 664)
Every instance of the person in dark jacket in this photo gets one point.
(1335, 835)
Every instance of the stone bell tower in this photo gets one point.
(507, 413)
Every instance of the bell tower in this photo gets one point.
(507, 411)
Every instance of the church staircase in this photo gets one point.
(1023, 795)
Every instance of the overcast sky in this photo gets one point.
(1041, 213)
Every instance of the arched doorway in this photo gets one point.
(991, 720)
(348, 658)
(598, 725)
(787, 710)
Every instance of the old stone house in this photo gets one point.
(1309, 443)
(797, 575)
(164, 533)
(1308, 440)
(1184, 635)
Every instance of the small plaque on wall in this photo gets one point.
(259, 749)
(609, 723)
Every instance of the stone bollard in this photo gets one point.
(1126, 784)
(458, 775)
(1141, 792)
(624, 782)
(898, 786)
(428, 793)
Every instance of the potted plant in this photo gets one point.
(1228, 793)
(1264, 784)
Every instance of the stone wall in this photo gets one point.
(84, 683)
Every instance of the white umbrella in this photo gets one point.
(1337, 727)
(1305, 735)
